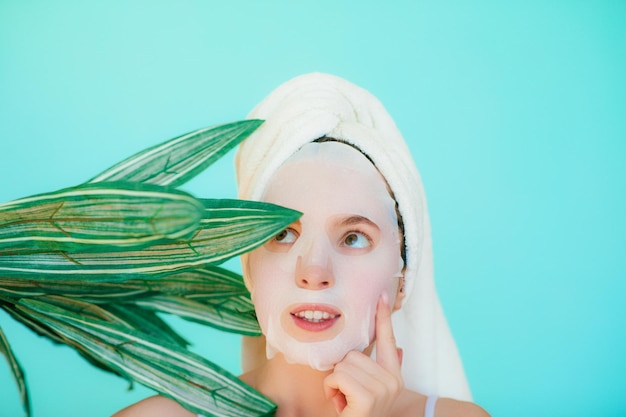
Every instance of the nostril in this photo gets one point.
(314, 278)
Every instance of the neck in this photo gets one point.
(298, 390)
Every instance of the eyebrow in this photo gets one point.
(352, 220)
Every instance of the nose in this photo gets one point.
(314, 277)
(314, 269)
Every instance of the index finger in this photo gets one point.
(386, 349)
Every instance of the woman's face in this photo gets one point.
(315, 285)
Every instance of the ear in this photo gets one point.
(400, 294)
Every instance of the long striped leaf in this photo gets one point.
(146, 321)
(228, 228)
(35, 326)
(213, 296)
(211, 282)
(92, 291)
(16, 370)
(208, 282)
(199, 385)
(97, 217)
(41, 329)
(210, 295)
(178, 160)
(127, 315)
(234, 315)
(84, 309)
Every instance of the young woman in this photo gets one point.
(345, 296)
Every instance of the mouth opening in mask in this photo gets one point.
(313, 322)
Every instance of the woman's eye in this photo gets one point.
(356, 240)
(286, 236)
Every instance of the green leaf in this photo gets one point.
(84, 309)
(35, 326)
(228, 228)
(238, 226)
(199, 385)
(146, 321)
(127, 315)
(41, 329)
(16, 370)
(232, 315)
(207, 282)
(102, 259)
(97, 217)
(178, 160)
(209, 295)
(92, 291)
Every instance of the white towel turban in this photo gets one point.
(316, 105)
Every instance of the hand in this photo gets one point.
(360, 386)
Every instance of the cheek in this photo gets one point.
(363, 285)
(263, 277)
(367, 277)
(366, 280)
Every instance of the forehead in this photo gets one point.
(330, 176)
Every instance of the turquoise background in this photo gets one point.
(514, 111)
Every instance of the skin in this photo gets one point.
(358, 385)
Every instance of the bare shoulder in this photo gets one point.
(156, 406)
(447, 407)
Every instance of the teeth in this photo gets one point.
(315, 316)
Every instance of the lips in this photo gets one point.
(314, 317)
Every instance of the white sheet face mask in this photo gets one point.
(316, 285)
